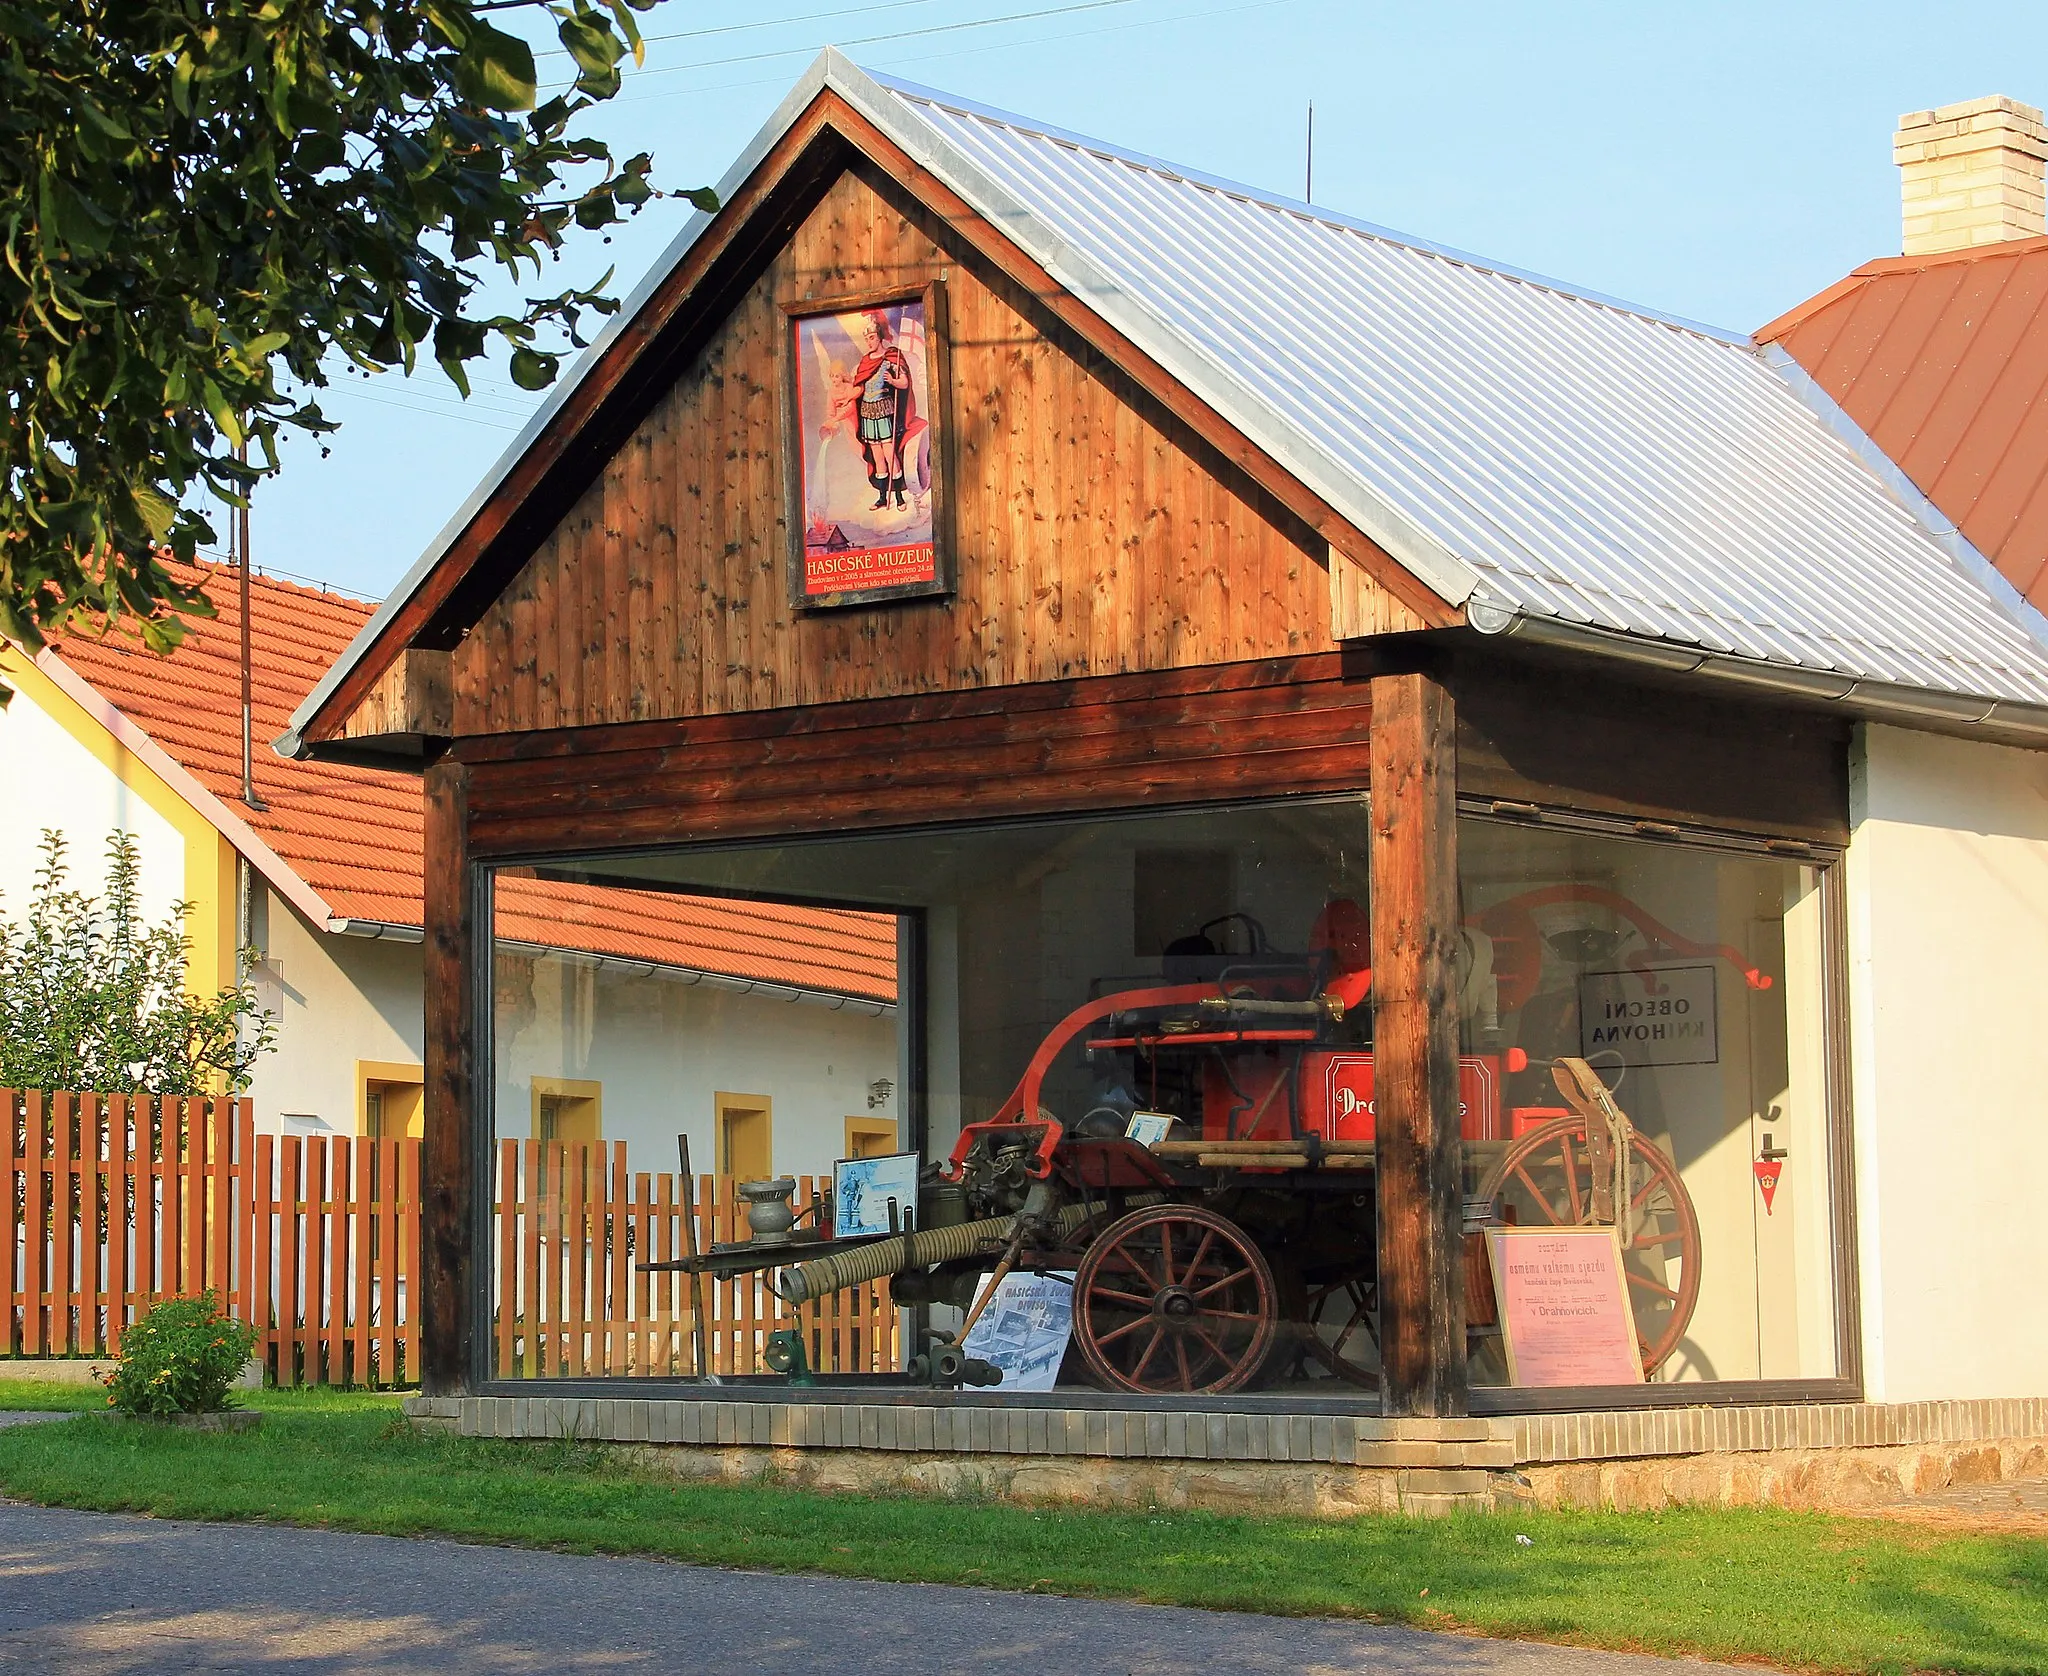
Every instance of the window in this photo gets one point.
(871, 1137)
(567, 1111)
(746, 1136)
(1189, 976)
(390, 1100)
(1687, 978)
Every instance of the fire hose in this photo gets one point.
(921, 1248)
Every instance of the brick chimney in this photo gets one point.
(1973, 174)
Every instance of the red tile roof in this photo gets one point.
(354, 834)
(1943, 361)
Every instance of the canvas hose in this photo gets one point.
(801, 1282)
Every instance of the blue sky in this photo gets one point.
(1719, 162)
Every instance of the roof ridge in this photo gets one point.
(261, 578)
(1282, 204)
(1886, 267)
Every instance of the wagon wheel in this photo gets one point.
(1174, 1298)
(1546, 1179)
(1340, 1328)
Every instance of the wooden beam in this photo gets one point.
(1287, 728)
(415, 696)
(1414, 862)
(450, 1186)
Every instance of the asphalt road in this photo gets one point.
(92, 1594)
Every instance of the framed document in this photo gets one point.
(864, 1189)
(864, 457)
(1564, 1309)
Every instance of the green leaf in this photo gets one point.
(156, 512)
(453, 23)
(704, 198)
(496, 70)
(532, 370)
(216, 405)
(594, 47)
(629, 28)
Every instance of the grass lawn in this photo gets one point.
(1787, 1588)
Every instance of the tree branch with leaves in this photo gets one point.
(206, 206)
(92, 999)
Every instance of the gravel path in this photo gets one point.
(93, 1594)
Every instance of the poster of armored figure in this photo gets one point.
(866, 385)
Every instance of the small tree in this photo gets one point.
(91, 998)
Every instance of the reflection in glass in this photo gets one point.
(1657, 1007)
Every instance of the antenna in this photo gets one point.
(1308, 183)
(248, 707)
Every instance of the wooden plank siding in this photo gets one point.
(1281, 727)
(1096, 534)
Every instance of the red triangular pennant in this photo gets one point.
(1767, 1172)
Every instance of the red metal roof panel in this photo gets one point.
(1943, 361)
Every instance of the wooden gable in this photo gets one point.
(1095, 533)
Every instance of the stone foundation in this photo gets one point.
(1072, 1481)
(1819, 1480)
(1836, 1455)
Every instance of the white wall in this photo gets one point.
(336, 1000)
(663, 1050)
(51, 780)
(1948, 935)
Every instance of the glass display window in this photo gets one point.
(1090, 1103)
(1662, 1148)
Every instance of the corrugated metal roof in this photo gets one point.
(1943, 360)
(1575, 458)
(1528, 450)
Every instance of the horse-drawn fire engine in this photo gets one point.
(1215, 1202)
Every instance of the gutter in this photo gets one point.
(795, 995)
(1877, 700)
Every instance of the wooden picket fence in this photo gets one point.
(119, 1200)
(572, 1227)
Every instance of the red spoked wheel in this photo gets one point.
(1545, 1179)
(1174, 1298)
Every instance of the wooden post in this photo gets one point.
(450, 1189)
(1415, 1044)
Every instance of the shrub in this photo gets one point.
(93, 998)
(180, 1358)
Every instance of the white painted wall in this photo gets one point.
(661, 1048)
(664, 1050)
(1948, 930)
(48, 779)
(336, 1000)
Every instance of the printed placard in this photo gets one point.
(1658, 1015)
(863, 1188)
(1024, 1330)
(1564, 1308)
(866, 490)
